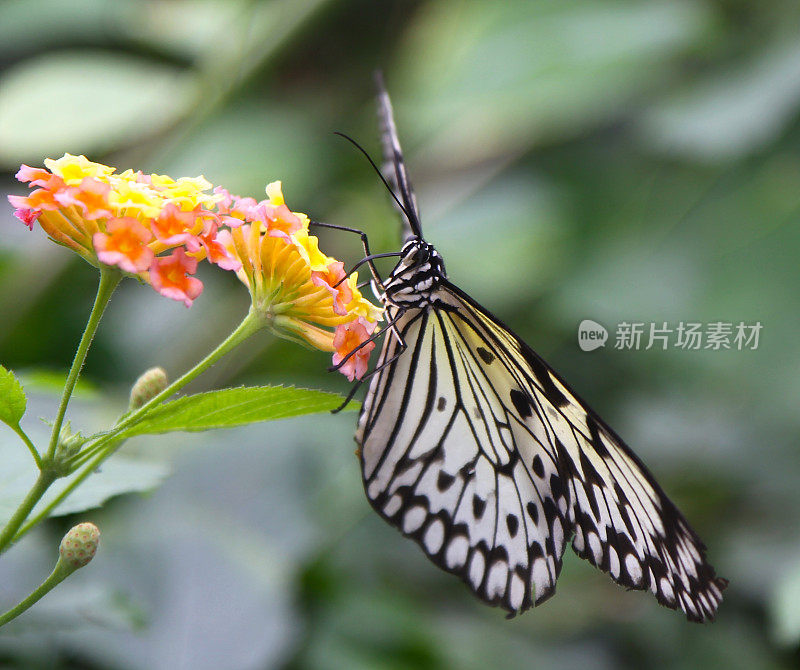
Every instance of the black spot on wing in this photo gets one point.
(486, 355)
(521, 403)
(538, 466)
(513, 524)
(478, 506)
(441, 403)
(533, 511)
(444, 481)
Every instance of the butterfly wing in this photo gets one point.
(475, 448)
(394, 168)
(455, 467)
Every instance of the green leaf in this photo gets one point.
(235, 407)
(12, 398)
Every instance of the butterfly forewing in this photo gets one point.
(622, 520)
(475, 448)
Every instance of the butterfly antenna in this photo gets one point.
(374, 167)
(393, 155)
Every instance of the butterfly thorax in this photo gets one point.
(416, 277)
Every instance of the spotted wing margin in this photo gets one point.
(458, 468)
(622, 520)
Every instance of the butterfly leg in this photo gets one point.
(402, 346)
(390, 325)
(368, 256)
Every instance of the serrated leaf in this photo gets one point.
(12, 398)
(235, 407)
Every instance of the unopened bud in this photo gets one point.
(69, 443)
(79, 545)
(147, 387)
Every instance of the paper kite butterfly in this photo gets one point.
(471, 445)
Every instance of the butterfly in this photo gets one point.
(471, 445)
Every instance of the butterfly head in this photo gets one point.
(417, 275)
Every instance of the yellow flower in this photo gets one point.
(298, 291)
(73, 169)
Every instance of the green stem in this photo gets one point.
(109, 278)
(59, 574)
(110, 441)
(43, 481)
(45, 512)
(248, 326)
(24, 437)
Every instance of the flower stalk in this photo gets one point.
(109, 279)
(108, 442)
(77, 549)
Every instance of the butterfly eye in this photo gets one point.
(423, 256)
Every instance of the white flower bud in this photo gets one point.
(79, 545)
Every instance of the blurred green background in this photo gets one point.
(618, 161)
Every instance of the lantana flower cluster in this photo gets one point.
(303, 292)
(147, 225)
(158, 228)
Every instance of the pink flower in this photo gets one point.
(333, 275)
(125, 245)
(91, 196)
(216, 250)
(169, 276)
(24, 213)
(349, 337)
(174, 226)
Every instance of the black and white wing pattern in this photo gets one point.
(394, 169)
(472, 446)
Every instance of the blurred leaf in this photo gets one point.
(785, 606)
(12, 398)
(119, 475)
(732, 113)
(116, 476)
(37, 24)
(525, 254)
(256, 142)
(235, 407)
(513, 73)
(52, 381)
(61, 102)
(79, 605)
(189, 28)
